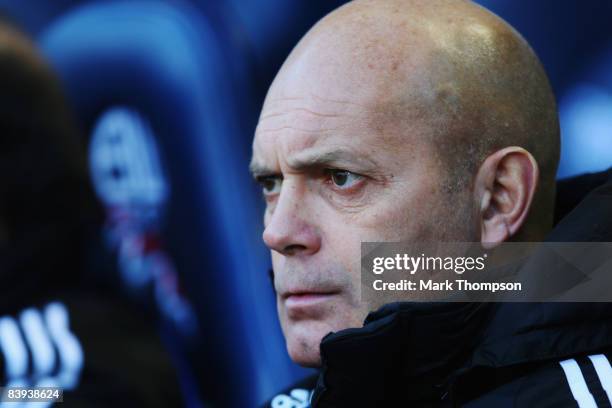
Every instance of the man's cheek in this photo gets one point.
(346, 250)
(277, 261)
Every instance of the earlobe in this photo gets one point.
(506, 183)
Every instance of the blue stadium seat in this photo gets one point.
(586, 119)
(168, 114)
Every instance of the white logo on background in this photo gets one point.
(43, 334)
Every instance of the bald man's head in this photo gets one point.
(438, 110)
(458, 70)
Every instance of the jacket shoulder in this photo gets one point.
(582, 381)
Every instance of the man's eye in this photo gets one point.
(344, 179)
(270, 184)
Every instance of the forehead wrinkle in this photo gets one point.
(302, 119)
(305, 110)
(336, 101)
(330, 155)
(311, 104)
(293, 128)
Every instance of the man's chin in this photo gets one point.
(310, 360)
(303, 340)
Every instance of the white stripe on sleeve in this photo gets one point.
(604, 372)
(577, 384)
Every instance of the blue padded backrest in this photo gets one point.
(586, 118)
(166, 61)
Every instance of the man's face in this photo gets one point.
(337, 169)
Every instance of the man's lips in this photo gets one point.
(307, 298)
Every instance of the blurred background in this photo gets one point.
(167, 94)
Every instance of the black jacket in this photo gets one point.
(483, 354)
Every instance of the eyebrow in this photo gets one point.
(316, 159)
(258, 169)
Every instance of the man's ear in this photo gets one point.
(504, 186)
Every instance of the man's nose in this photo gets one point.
(289, 232)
